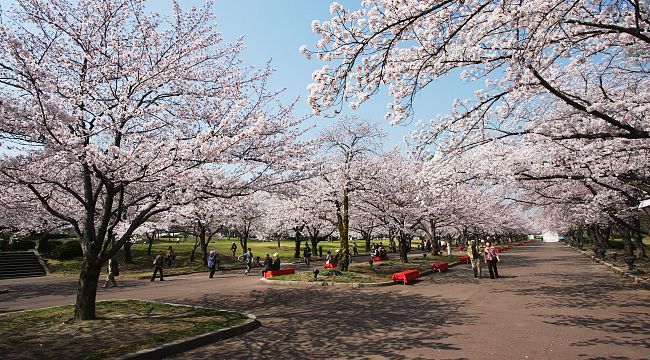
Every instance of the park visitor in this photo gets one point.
(233, 249)
(171, 256)
(158, 266)
(276, 262)
(474, 253)
(307, 254)
(354, 248)
(267, 265)
(113, 271)
(328, 257)
(248, 260)
(491, 258)
(212, 263)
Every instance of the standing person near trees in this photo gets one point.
(355, 249)
(491, 258)
(474, 253)
(171, 256)
(248, 260)
(307, 255)
(158, 266)
(212, 263)
(113, 271)
(233, 250)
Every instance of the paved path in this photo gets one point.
(551, 303)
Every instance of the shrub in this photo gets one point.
(68, 250)
(4, 245)
(23, 245)
(614, 244)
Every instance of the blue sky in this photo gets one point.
(275, 29)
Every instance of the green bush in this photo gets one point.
(68, 250)
(22, 245)
(614, 244)
(4, 245)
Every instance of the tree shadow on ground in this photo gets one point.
(337, 323)
(62, 287)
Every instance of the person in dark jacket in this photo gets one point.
(267, 265)
(158, 266)
(276, 262)
(307, 255)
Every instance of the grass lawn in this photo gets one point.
(142, 263)
(381, 271)
(122, 327)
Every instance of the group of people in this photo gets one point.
(270, 264)
(378, 250)
(488, 254)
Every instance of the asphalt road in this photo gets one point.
(551, 303)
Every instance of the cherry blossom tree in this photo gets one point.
(109, 113)
(349, 143)
(565, 82)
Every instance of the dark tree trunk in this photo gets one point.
(87, 291)
(403, 248)
(297, 230)
(128, 258)
(638, 239)
(204, 246)
(627, 242)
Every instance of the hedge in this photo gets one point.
(67, 250)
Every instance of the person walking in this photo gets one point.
(307, 255)
(355, 250)
(212, 263)
(475, 257)
(171, 256)
(491, 258)
(233, 250)
(113, 271)
(248, 261)
(158, 266)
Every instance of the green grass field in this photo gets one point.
(142, 262)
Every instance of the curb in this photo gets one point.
(194, 342)
(352, 285)
(645, 284)
(326, 283)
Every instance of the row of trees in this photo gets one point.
(561, 122)
(114, 121)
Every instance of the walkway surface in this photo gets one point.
(551, 303)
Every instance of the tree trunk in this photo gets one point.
(204, 246)
(638, 239)
(344, 225)
(403, 248)
(627, 242)
(297, 231)
(87, 290)
(128, 258)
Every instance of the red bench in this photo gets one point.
(440, 266)
(331, 266)
(380, 258)
(406, 276)
(272, 273)
(463, 258)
